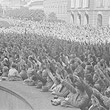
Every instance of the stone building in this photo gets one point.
(35, 4)
(80, 12)
(13, 3)
(59, 7)
(94, 12)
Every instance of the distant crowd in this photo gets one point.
(71, 62)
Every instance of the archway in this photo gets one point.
(99, 20)
(86, 19)
(78, 19)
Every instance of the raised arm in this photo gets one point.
(87, 88)
(66, 84)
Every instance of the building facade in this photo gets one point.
(12, 3)
(93, 12)
(80, 12)
(35, 4)
(59, 7)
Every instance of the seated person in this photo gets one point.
(13, 74)
(95, 104)
(105, 101)
(77, 97)
(56, 86)
(40, 77)
(30, 73)
(60, 90)
(5, 73)
(107, 92)
(46, 78)
(48, 85)
(23, 73)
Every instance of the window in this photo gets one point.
(99, 3)
(73, 3)
(77, 3)
(99, 20)
(80, 3)
(86, 3)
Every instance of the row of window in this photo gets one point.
(86, 3)
(86, 19)
(78, 22)
(102, 3)
(79, 3)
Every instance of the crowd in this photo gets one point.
(71, 62)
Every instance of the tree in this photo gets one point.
(38, 15)
(52, 17)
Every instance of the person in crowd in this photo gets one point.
(13, 74)
(71, 62)
(5, 73)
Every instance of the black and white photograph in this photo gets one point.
(54, 54)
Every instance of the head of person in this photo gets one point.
(94, 100)
(102, 63)
(89, 69)
(5, 69)
(89, 79)
(72, 56)
(90, 58)
(30, 58)
(14, 66)
(98, 59)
